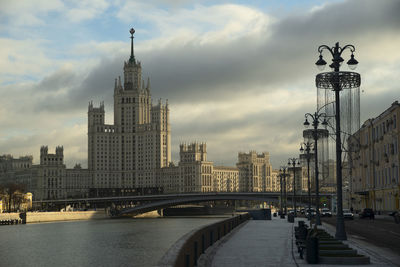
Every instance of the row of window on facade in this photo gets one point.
(128, 100)
(383, 128)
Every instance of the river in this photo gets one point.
(112, 242)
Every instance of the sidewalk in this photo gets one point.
(269, 243)
(258, 243)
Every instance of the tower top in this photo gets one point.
(132, 58)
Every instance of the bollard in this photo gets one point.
(22, 216)
(312, 250)
(291, 218)
(396, 217)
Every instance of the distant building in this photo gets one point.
(194, 173)
(50, 179)
(254, 171)
(17, 171)
(374, 163)
(275, 181)
(133, 155)
(225, 179)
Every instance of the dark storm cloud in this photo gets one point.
(65, 90)
(281, 55)
(62, 78)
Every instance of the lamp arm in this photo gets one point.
(350, 47)
(323, 47)
(325, 106)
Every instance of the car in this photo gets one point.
(367, 213)
(311, 211)
(326, 212)
(347, 214)
(396, 216)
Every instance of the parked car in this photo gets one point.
(310, 211)
(396, 216)
(326, 212)
(367, 213)
(347, 214)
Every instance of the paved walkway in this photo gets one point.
(258, 243)
(269, 243)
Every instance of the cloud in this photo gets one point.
(85, 10)
(23, 58)
(28, 13)
(235, 77)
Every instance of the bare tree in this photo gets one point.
(13, 192)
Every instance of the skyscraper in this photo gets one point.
(125, 155)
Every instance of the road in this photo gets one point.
(380, 232)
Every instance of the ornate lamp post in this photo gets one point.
(338, 80)
(292, 162)
(281, 202)
(316, 133)
(306, 151)
(283, 171)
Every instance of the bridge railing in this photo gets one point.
(186, 251)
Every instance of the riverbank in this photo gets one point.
(38, 217)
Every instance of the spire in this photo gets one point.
(132, 58)
(115, 86)
(148, 83)
(119, 82)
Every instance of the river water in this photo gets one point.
(113, 242)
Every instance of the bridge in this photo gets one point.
(146, 203)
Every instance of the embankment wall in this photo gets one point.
(36, 217)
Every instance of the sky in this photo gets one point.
(238, 75)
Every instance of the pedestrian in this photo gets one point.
(351, 209)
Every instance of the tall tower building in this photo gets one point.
(127, 154)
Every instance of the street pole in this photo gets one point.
(306, 149)
(309, 186)
(336, 80)
(284, 188)
(317, 215)
(316, 117)
(281, 205)
(293, 161)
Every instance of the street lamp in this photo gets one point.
(338, 80)
(317, 118)
(306, 151)
(281, 199)
(283, 171)
(293, 162)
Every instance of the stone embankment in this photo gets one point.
(187, 250)
(37, 217)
